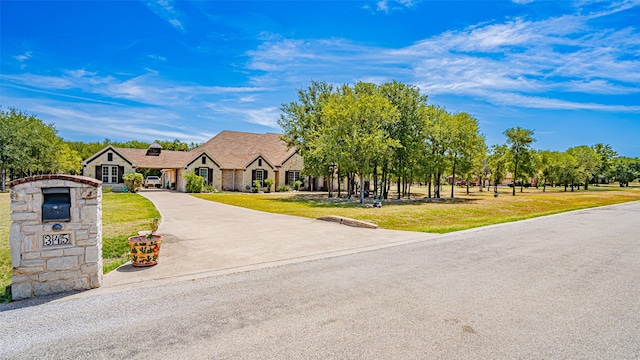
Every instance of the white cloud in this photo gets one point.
(382, 6)
(534, 61)
(387, 6)
(522, 1)
(149, 88)
(166, 10)
(23, 57)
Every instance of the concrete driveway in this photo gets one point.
(204, 238)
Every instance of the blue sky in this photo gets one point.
(569, 70)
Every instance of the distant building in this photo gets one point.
(229, 161)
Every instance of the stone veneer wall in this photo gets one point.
(42, 263)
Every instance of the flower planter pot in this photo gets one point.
(144, 251)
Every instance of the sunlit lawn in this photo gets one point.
(123, 215)
(466, 211)
(5, 257)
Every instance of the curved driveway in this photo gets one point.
(201, 237)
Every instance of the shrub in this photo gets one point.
(256, 186)
(210, 189)
(268, 183)
(297, 184)
(283, 188)
(195, 183)
(133, 181)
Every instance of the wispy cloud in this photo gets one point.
(22, 58)
(116, 121)
(166, 10)
(149, 88)
(386, 6)
(517, 59)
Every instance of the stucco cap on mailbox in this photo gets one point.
(74, 178)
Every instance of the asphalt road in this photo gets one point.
(560, 287)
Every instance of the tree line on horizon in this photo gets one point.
(28, 146)
(387, 133)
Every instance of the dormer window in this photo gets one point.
(204, 159)
(109, 156)
(154, 150)
(259, 162)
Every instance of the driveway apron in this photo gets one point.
(208, 238)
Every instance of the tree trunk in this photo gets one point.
(361, 189)
(453, 178)
(515, 176)
(375, 181)
(586, 184)
(3, 178)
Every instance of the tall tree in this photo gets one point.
(302, 123)
(587, 161)
(27, 145)
(625, 170)
(464, 140)
(519, 143)
(357, 118)
(606, 155)
(498, 164)
(435, 161)
(408, 130)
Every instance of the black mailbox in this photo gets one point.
(56, 205)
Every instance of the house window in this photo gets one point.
(204, 160)
(259, 177)
(259, 162)
(204, 172)
(110, 157)
(114, 174)
(292, 176)
(110, 174)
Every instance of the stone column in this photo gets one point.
(52, 256)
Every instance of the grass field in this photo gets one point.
(123, 215)
(464, 212)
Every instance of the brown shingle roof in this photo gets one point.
(236, 149)
(166, 160)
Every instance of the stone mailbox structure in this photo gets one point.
(56, 234)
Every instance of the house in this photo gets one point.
(230, 161)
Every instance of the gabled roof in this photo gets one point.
(259, 156)
(104, 150)
(236, 149)
(167, 159)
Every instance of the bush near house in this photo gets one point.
(268, 183)
(256, 186)
(195, 183)
(133, 181)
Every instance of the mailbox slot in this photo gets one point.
(56, 205)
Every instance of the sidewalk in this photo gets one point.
(204, 238)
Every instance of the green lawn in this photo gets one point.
(5, 257)
(466, 211)
(123, 215)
